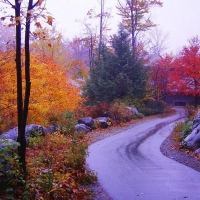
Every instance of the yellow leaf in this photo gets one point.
(50, 20)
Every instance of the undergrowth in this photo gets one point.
(55, 170)
(55, 162)
(183, 129)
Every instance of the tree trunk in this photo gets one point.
(91, 52)
(101, 27)
(21, 128)
(22, 107)
(27, 64)
(134, 23)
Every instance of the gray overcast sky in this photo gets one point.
(179, 18)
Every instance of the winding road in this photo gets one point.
(130, 165)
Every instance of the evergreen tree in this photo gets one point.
(115, 75)
(99, 87)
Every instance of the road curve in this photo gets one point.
(130, 165)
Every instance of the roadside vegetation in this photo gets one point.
(56, 161)
(55, 169)
(183, 129)
(53, 81)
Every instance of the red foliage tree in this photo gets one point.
(160, 75)
(185, 77)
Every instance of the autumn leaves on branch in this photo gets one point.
(178, 75)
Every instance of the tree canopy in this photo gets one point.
(185, 76)
(51, 90)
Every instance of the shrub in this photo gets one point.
(63, 122)
(139, 115)
(186, 130)
(133, 102)
(100, 109)
(152, 107)
(84, 111)
(120, 112)
(182, 130)
(68, 127)
(191, 111)
(11, 175)
(95, 111)
(56, 168)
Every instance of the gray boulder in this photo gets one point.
(50, 129)
(196, 122)
(104, 122)
(6, 142)
(197, 127)
(108, 114)
(33, 130)
(192, 140)
(197, 151)
(30, 131)
(82, 128)
(11, 134)
(190, 123)
(88, 121)
(133, 110)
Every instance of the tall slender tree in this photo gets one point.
(24, 11)
(135, 16)
(89, 40)
(103, 17)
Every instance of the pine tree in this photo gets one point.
(116, 75)
(99, 86)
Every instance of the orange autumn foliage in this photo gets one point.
(8, 105)
(51, 91)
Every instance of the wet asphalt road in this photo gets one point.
(130, 165)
